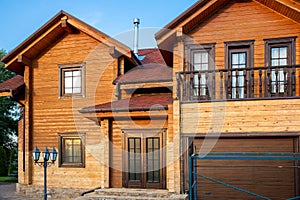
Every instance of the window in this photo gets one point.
(71, 150)
(278, 58)
(279, 52)
(71, 80)
(200, 63)
(153, 159)
(238, 56)
(238, 60)
(201, 59)
(134, 159)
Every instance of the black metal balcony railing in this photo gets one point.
(243, 83)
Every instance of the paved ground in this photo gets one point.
(8, 192)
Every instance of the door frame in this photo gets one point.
(143, 134)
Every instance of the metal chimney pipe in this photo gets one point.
(136, 22)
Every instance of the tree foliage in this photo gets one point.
(13, 163)
(3, 170)
(8, 112)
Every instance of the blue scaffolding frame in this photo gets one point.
(272, 156)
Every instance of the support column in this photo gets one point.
(179, 57)
(177, 146)
(106, 126)
(28, 79)
(21, 149)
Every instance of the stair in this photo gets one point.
(132, 194)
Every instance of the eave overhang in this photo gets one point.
(145, 106)
(125, 116)
(13, 87)
(61, 24)
(192, 17)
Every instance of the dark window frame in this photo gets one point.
(71, 67)
(239, 45)
(290, 42)
(280, 83)
(194, 48)
(202, 90)
(71, 135)
(136, 157)
(233, 47)
(153, 152)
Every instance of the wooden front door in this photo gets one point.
(143, 161)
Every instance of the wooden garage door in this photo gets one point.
(273, 179)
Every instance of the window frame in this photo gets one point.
(71, 67)
(247, 45)
(290, 43)
(71, 135)
(232, 47)
(194, 48)
(280, 42)
(191, 50)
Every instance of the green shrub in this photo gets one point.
(3, 170)
(13, 163)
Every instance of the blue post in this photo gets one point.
(195, 178)
(45, 180)
(190, 178)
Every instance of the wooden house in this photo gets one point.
(225, 78)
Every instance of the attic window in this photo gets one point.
(71, 81)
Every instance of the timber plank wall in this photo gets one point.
(237, 21)
(268, 116)
(245, 21)
(53, 114)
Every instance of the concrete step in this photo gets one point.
(134, 192)
(131, 194)
(106, 197)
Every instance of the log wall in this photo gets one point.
(52, 114)
(257, 116)
(245, 20)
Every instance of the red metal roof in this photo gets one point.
(152, 56)
(153, 69)
(135, 103)
(147, 73)
(12, 84)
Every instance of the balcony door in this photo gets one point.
(144, 161)
(238, 60)
(238, 56)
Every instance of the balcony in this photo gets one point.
(239, 84)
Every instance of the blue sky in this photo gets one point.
(19, 18)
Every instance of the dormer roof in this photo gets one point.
(153, 68)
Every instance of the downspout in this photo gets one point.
(118, 91)
(23, 129)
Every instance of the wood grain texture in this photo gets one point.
(52, 114)
(241, 116)
(246, 20)
(265, 178)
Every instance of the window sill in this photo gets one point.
(72, 165)
(77, 96)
